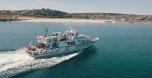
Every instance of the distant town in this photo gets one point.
(13, 15)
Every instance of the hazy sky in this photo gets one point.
(72, 6)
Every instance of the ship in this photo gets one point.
(59, 44)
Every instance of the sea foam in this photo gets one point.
(15, 62)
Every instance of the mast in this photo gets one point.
(71, 28)
(46, 30)
(30, 44)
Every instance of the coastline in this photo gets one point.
(61, 20)
(72, 20)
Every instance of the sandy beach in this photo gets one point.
(60, 20)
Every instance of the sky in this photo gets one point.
(82, 6)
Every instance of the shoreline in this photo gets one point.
(61, 20)
(73, 20)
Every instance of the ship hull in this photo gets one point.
(55, 53)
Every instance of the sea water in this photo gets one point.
(123, 51)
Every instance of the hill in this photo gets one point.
(49, 13)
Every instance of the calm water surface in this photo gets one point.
(123, 51)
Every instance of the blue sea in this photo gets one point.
(123, 51)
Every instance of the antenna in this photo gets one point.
(46, 31)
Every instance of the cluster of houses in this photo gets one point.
(114, 16)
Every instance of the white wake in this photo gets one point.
(15, 62)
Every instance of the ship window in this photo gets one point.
(83, 42)
(73, 42)
(68, 43)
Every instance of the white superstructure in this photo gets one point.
(60, 44)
